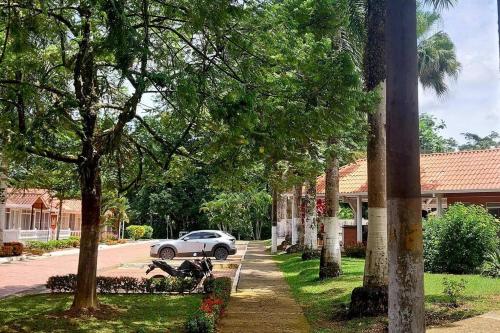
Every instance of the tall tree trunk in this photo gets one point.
(330, 263)
(376, 269)
(371, 298)
(310, 229)
(406, 289)
(90, 183)
(296, 220)
(59, 219)
(298, 209)
(274, 221)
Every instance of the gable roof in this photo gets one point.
(26, 198)
(462, 171)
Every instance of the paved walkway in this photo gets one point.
(22, 276)
(263, 302)
(488, 322)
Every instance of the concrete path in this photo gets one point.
(488, 322)
(23, 276)
(263, 302)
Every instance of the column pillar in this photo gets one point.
(3, 195)
(359, 219)
(439, 205)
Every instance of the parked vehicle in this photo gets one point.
(198, 269)
(218, 244)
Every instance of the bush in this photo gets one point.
(309, 254)
(491, 266)
(38, 247)
(148, 232)
(135, 231)
(110, 284)
(10, 249)
(459, 241)
(356, 250)
(211, 308)
(453, 290)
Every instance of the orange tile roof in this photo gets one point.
(462, 171)
(25, 198)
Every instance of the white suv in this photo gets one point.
(215, 243)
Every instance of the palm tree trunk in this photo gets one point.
(59, 219)
(310, 229)
(330, 263)
(406, 289)
(376, 269)
(274, 221)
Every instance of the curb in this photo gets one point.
(25, 257)
(234, 287)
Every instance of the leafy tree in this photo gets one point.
(242, 213)
(74, 73)
(430, 139)
(474, 141)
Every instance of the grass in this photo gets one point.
(324, 301)
(134, 313)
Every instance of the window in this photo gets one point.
(195, 235)
(72, 218)
(7, 218)
(208, 235)
(26, 219)
(493, 208)
(65, 221)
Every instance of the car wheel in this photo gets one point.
(221, 253)
(167, 253)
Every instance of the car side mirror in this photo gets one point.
(186, 239)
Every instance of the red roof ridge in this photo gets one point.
(458, 152)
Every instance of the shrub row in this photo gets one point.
(126, 284)
(355, 250)
(139, 232)
(212, 306)
(11, 249)
(113, 240)
(38, 247)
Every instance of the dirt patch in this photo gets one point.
(103, 312)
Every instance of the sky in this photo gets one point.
(473, 101)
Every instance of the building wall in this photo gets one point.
(488, 200)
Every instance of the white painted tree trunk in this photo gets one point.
(332, 241)
(274, 240)
(376, 269)
(294, 217)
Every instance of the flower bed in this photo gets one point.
(125, 284)
(212, 307)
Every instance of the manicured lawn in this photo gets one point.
(324, 301)
(134, 313)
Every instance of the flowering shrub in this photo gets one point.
(212, 307)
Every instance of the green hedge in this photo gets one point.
(139, 232)
(38, 247)
(460, 240)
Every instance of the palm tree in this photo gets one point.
(436, 53)
(436, 62)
